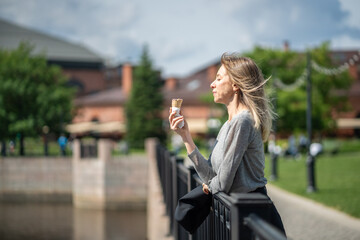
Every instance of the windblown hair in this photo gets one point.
(248, 77)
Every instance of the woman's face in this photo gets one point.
(222, 88)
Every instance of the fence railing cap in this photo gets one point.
(249, 198)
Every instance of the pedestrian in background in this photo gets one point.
(62, 141)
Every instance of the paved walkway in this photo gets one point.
(305, 219)
(157, 220)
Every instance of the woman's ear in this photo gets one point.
(236, 88)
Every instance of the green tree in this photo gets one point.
(144, 107)
(33, 94)
(288, 66)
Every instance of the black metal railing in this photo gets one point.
(235, 216)
(88, 150)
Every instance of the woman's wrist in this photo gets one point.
(189, 143)
(186, 137)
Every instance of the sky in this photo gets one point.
(186, 35)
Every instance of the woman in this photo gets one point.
(236, 164)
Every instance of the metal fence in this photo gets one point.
(235, 216)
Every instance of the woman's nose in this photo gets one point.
(212, 85)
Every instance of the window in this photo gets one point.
(193, 85)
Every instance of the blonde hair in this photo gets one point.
(245, 74)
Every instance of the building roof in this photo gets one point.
(113, 96)
(191, 97)
(54, 48)
(192, 89)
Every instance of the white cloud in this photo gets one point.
(353, 9)
(345, 42)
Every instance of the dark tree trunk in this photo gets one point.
(3, 148)
(22, 147)
(46, 148)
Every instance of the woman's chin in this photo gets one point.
(216, 100)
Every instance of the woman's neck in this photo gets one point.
(234, 107)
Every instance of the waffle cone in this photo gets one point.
(176, 103)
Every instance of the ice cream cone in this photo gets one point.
(177, 103)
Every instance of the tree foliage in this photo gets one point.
(33, 94)
(143, 110)
(291, 105)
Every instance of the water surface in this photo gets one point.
(32, 221)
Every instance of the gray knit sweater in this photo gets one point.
(236, 164)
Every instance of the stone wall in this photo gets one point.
(126, 182)
(103, 182)
(109, 183)
(39, 179)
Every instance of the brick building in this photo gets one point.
(104, 112)
(349, 122)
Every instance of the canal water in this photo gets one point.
(32, 221)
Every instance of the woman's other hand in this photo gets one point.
(205, 188)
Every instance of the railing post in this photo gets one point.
(175, 161)
(191, 185)
(191, 182)
(243, 204)
(168, 183)
(183, 183)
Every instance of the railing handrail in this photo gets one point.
(225, 198)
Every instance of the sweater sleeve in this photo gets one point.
(235, 145)
(202, 166)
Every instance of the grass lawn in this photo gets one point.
(34, 147)
(337, 179)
